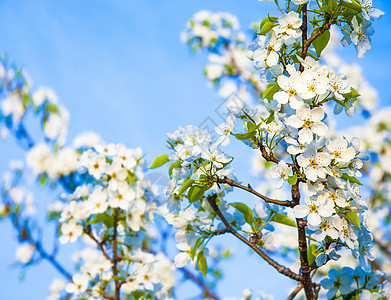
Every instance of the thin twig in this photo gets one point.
(298, 288)
(281, 269)
(203, 286)
(249, 189)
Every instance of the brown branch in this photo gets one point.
(304, 29)
(88, 231)
(305, 269)
(295, 291)
(383, 247)
(116, 259)
(249, 189)
(203, 286)
(269, 156)
(281, 269)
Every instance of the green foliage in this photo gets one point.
(188, 183)
(321, 42)
(266, 25)
(283, 219)
(271, 89)
(245, 210)
(201, 263)
(350, 179)
(196, 192)
(353, 218)
(159, 161)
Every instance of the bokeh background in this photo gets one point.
(121, 70)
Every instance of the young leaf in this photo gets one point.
(102, 218)
(321, 42)
(292, 180)
(283, 219)
(201, 263)
(159, 161)
(174, 165)
(270, 91)
(352, 94)
(188, 183)
(312, 252)
(353, 218)
(245, 210)
(245, 136)
(195, 193)
(350, 178)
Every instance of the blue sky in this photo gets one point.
(121, 70)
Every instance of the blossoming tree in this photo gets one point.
(290, 89)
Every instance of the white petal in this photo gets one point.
(300, 211)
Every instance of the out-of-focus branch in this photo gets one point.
(207, 292)
(245, 74)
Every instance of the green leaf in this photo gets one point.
(245, 210)
(353, 218)
(292, 180)
(270, 91)
(196, 246)
(312, 253)
(354, 5)
(340, 102)
(270, 118)
(321, 42)
(352, 94)
(118, 278)
(102, 218)
(283, 219)
(195, 193)
(266, 25)
(350, 178)
(245, 136)
(174, 165)
(159, 161)
(201, 263)
(251, 126)
(188, 183)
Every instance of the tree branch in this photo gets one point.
(295, 291)
(203, 286)
(281, 269)
(305, 269)
(246, 74)
(249, 189)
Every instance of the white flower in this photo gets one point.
(360, 36)
(291, 88)
(369, 12)
(268, 49)
(314, 163)
(340, 151)
(281, 171)
(338, 85)
(289, 27)
(225, 130)
(12, 106)
(315, 209)
(182, 258)
(24, 253)
(78, 285)
(309, 122)
(70, 232)
(97, 201)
